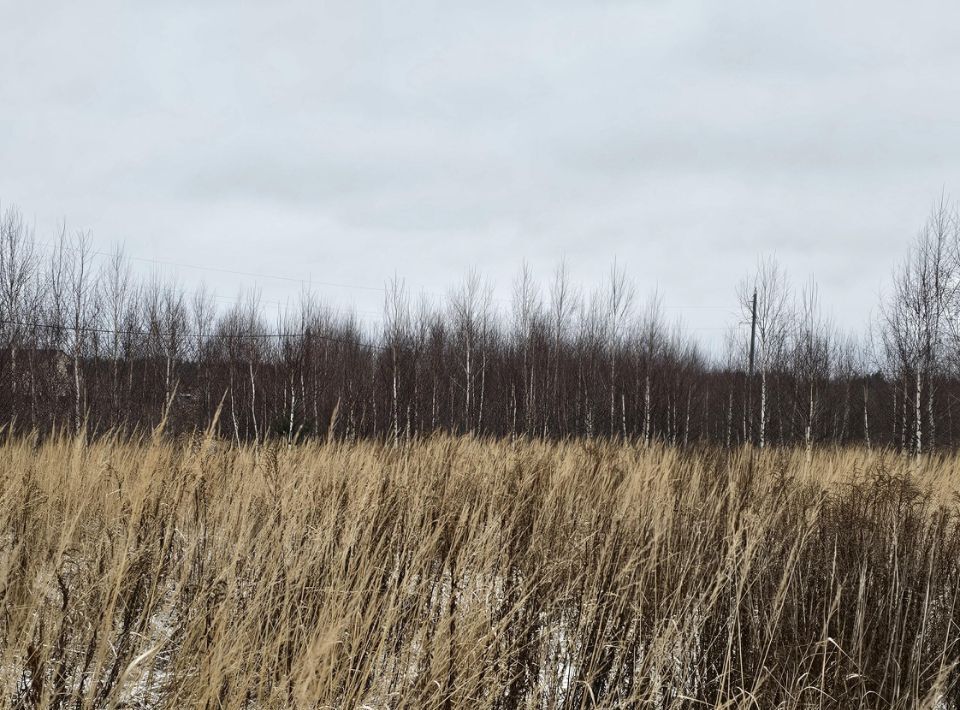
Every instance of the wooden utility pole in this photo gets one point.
(753, 349)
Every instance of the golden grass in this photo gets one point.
(465, 573)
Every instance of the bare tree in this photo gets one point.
(397, 327)
(917, 313)
(564, 303)
(115, 290)
(811, 356)
(203, 312)
(773, 326)
(173, 325)
(651, 337)
(620, 295)
(19, 295)
(81, 302)
(527, 311)
(470, 310)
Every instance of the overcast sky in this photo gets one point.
(346, 142)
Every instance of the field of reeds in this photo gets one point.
(456, 572)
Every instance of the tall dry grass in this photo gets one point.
(464, 573)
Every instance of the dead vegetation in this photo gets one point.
(456, 572)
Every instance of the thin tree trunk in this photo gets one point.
(483, 388)
(396, 420)
(76, 391)
(646, 409)
(761, 434)
(623, 414)
(729, 419)
(293, 404)
(866, 418)
(253, 404)
(918, 413)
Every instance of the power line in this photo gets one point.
(199, 336)
(698, 308)
(361, 314)
(253, 274)
(291, 279)
(217, 269)
(310, 282)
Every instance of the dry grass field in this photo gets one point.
(455, 572)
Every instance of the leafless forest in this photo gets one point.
(87, 345)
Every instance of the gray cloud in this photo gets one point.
(347, 142)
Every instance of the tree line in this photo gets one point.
(85, 345)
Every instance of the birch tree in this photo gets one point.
(19, 295)
(773, 323)
(916, 315)
(811, 355)
(619, 302)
